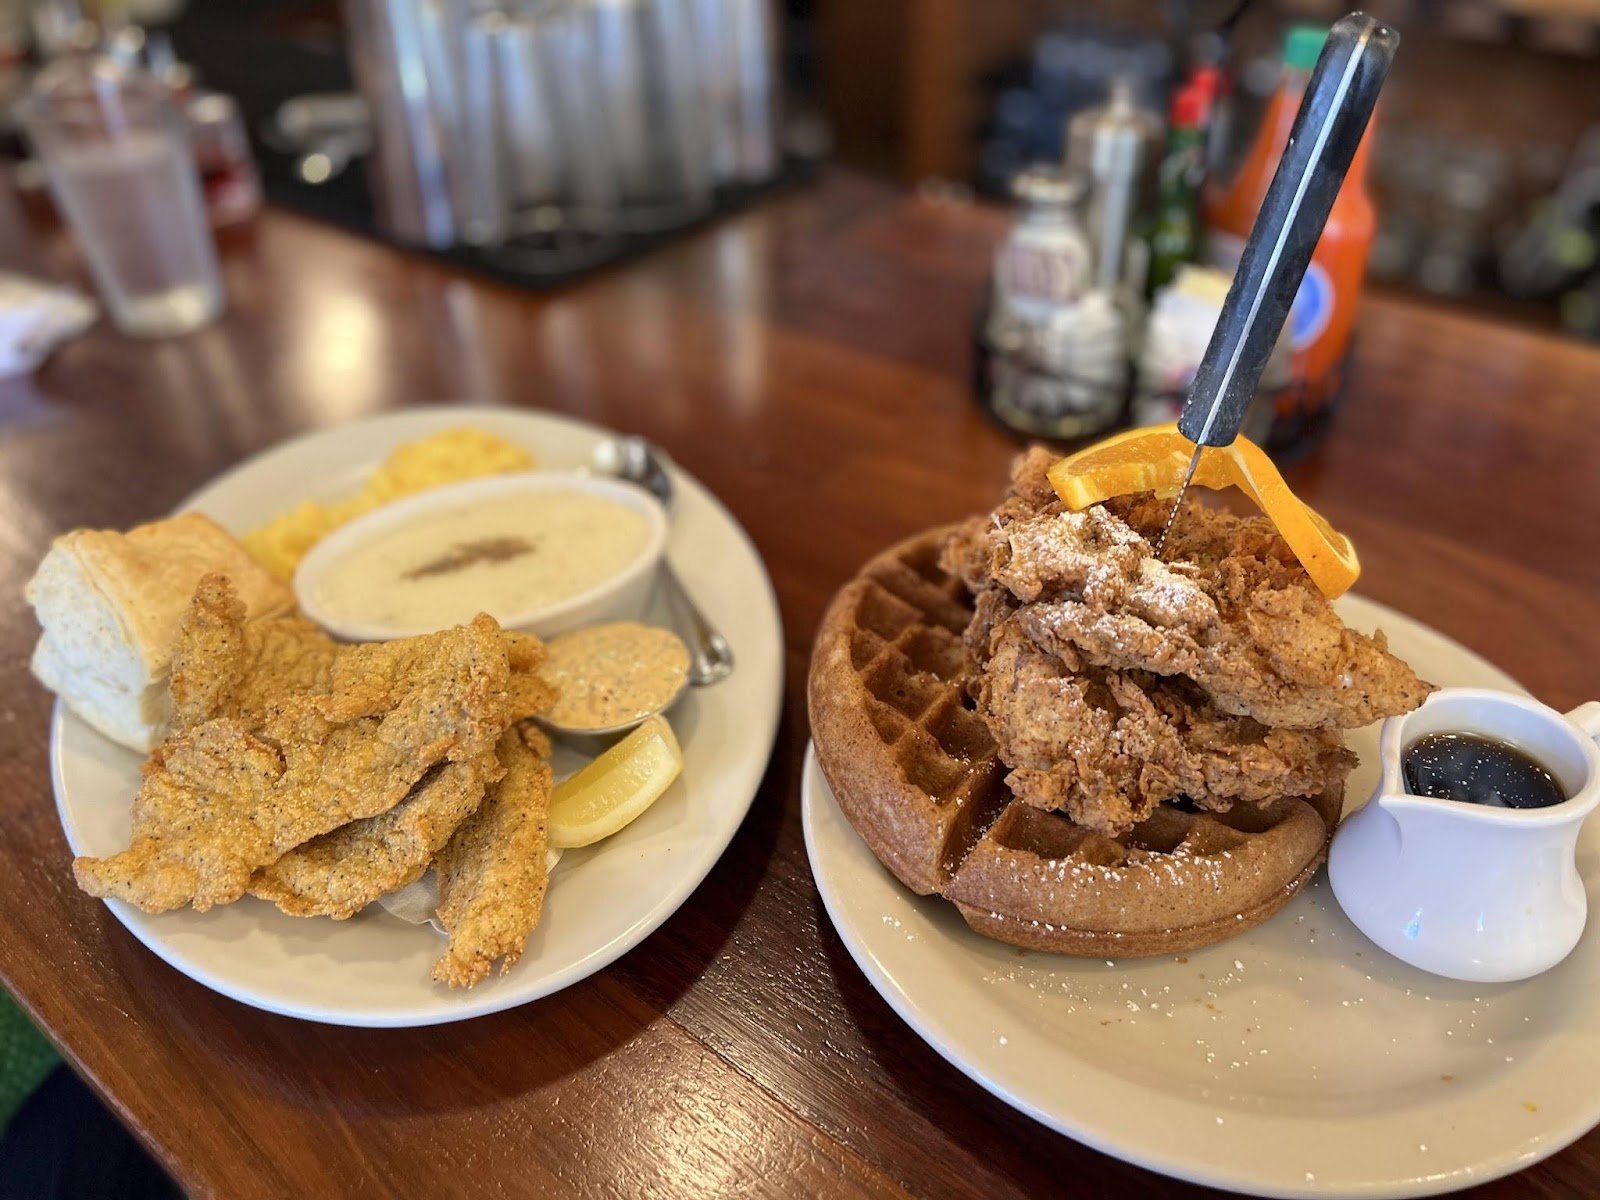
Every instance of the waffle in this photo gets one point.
(914, 769)
(917, 774)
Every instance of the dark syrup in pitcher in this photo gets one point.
(1477, 770)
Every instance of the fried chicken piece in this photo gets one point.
(340, 873)
(493, 873)
(991, 608)
(1207, 538)
(276, 762)
(1250, 629)
(1114, 682)
(966, 553)
(1107, 747)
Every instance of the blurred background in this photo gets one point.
(538, 140)
(1485, 156)
(523, 144)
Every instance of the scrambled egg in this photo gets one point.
(449, 456)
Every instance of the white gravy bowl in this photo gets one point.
(621, 593)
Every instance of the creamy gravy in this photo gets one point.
(611, 673)
(507, 556)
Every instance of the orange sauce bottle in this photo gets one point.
(1324, 309)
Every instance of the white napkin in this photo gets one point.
(36, 317)
(417, 902)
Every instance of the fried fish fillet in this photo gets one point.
(340, 873)
(281, 739)
(493, 873)
(530, 694)
(223, 667)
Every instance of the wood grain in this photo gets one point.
(808, 362)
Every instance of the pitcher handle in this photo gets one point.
(1587, 718)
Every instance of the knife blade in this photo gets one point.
(1333, 115)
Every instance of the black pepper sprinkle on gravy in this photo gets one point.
(490, 550)
(1477, 770)
(504, 555)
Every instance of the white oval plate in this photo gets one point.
(374, 969)
(1297, 1059)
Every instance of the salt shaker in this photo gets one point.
(1051, 346)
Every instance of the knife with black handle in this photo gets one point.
(1338, 102)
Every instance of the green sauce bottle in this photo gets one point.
(1175, 238)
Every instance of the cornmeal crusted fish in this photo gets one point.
(530, 693)
(340, 873)
(224, 668)
(280, 740)
(493, 874)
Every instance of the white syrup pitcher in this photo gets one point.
(1469, 891)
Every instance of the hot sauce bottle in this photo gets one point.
(1320, 322)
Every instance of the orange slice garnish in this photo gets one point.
(1155, 459)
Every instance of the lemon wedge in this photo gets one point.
(615, 788)
(1155, 459)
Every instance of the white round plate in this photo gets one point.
(374, 969)
(1297, 1059)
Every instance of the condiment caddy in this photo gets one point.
(1065, 375)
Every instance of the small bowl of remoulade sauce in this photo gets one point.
(1464, 863)
(609, 678)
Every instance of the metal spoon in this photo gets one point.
(638, 462)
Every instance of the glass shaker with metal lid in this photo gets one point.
(1051, 359)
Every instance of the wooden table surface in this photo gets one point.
(809, 362)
